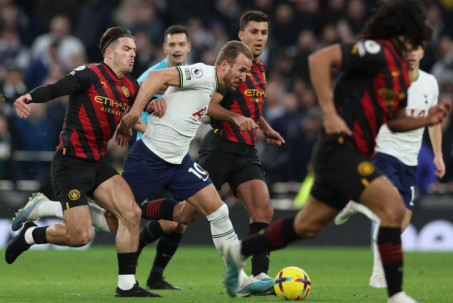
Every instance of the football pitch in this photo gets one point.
(337, 274)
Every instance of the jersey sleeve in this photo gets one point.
(197, 76)
(363, 56)
(76, 81)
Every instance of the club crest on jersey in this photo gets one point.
(196, 72)
(391, 97)
(74, 194)
(126, 91)
(365, 168)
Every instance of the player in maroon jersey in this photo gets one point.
(371, 91)
(99, 95)
(228, 151)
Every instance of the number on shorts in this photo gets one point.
(199, 172)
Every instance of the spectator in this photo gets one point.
(5, 147)
(70, 47)
(443, 69)
(12, 51)
(34, 135)
(38, 69)
(93, 19)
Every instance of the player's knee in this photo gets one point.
(392, 215)
(263, 213)
(169, 226)
(180, 229)
(132, 214)
(189, 217)
(80, 237)
(307, 231)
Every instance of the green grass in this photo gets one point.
(337, 274)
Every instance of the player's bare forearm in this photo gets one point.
(140, 126)
(402, 123)
(218, 112)
(435, 136)
(320, 65)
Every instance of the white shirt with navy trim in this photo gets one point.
(169, 137)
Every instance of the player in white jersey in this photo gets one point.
(397, 155)
(176, 47)
(161, 159)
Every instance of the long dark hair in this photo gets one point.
(401, 18)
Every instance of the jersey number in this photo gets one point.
(199, 172)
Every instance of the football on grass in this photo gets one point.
(292, 284)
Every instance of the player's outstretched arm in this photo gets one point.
(155, 80)
(400, 122)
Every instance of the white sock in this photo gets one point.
(221, 230)
(378, 269)
(97, 217)
(50, 209)
(221, 227)
(29, 237)
(126, 282)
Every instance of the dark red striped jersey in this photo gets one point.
(247, 100)
(97, 101)
(374, 84)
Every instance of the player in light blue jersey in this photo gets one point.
(396, 155)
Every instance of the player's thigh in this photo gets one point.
(115, 195)
(254, 195)
(206, 200)
(313, 217)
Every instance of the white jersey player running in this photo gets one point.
(397, 155)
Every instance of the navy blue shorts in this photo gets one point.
(401, 175)
(147, 173)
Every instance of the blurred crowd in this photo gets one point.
(42, 40)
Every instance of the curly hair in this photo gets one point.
(401, 18)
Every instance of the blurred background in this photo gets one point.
(42, 40)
